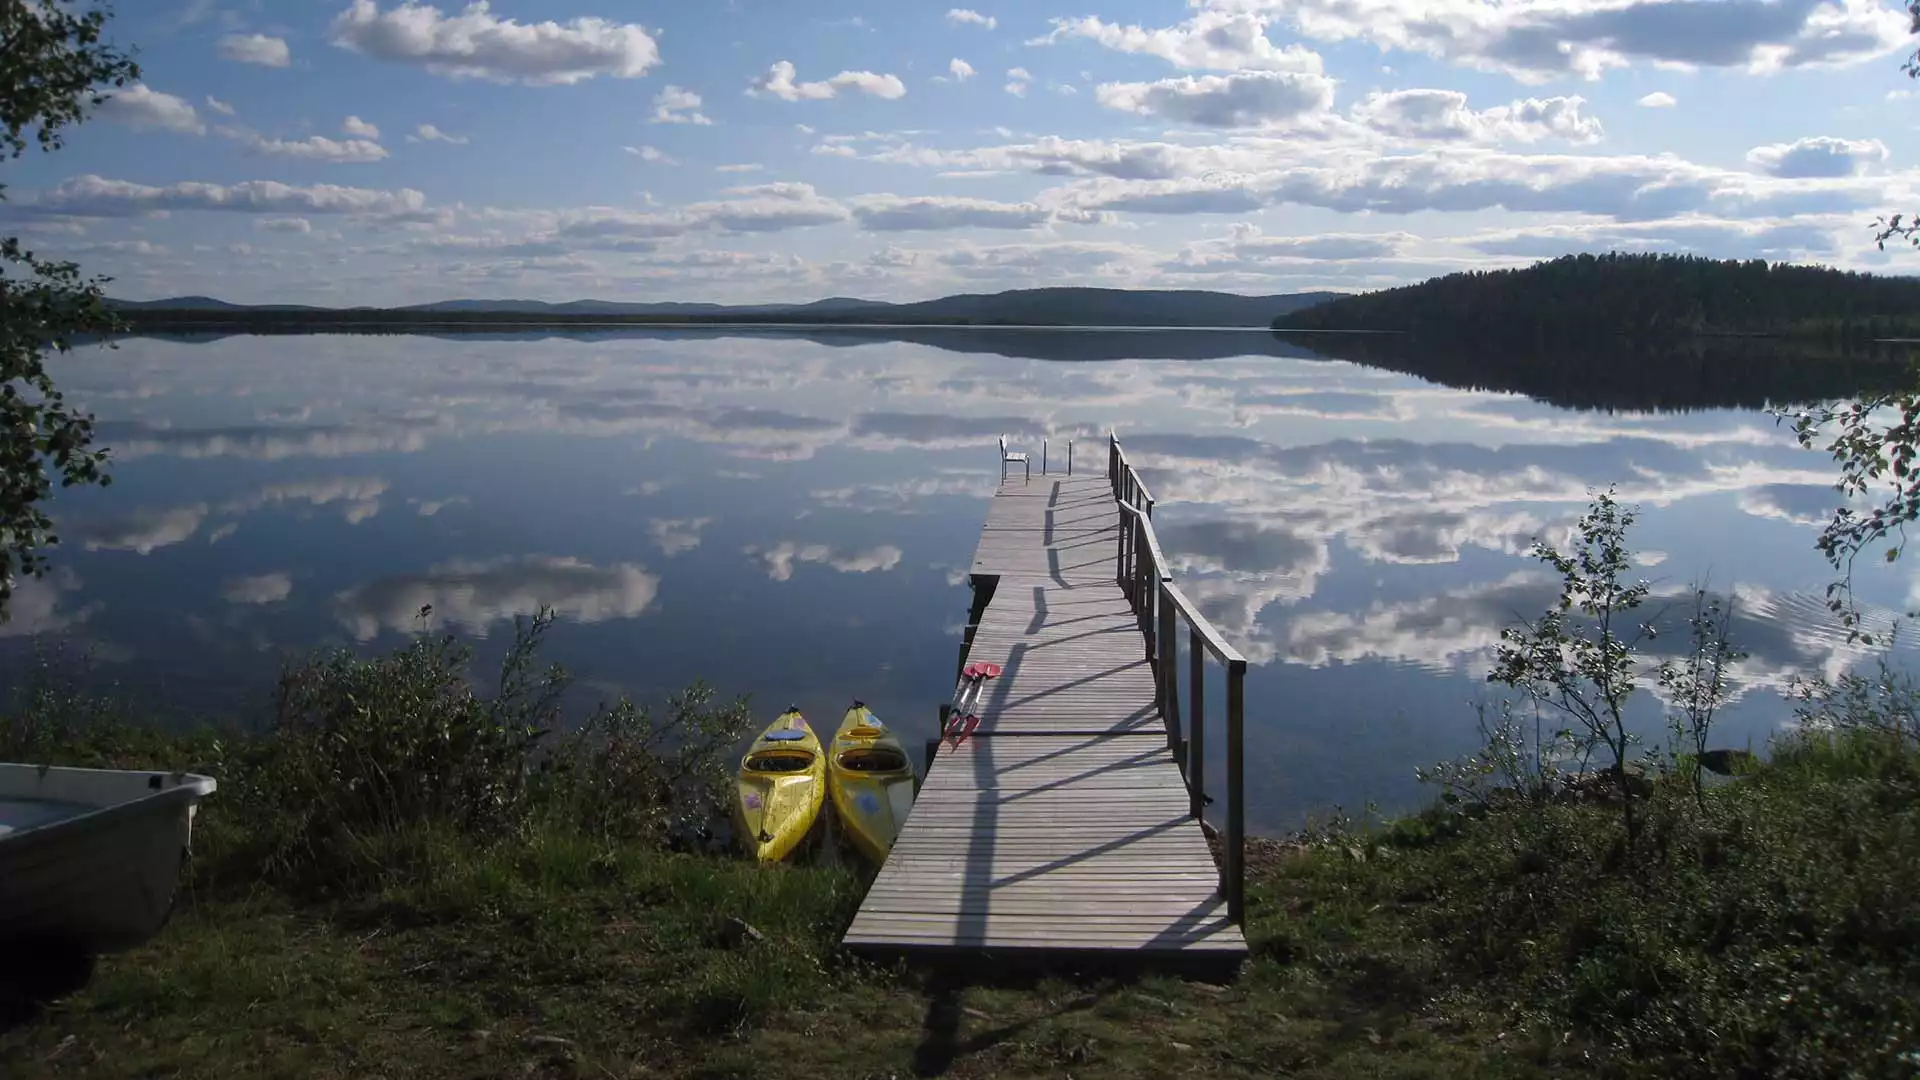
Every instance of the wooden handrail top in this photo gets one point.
(1216, 642)
(1153, 542)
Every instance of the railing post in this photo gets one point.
(1043, 457)
(1236, 870)
(1197, 731)
(1143, 604)
(1168, 646)
(1069, 457)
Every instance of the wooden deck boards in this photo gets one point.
(1062, 825)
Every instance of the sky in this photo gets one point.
(381, 152)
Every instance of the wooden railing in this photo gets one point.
(1142, 571)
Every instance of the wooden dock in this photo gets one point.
(1065, 825)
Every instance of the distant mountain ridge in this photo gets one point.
(1036, 307)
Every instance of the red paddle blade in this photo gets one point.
(971, 722)
(971, 671)
(990, 671)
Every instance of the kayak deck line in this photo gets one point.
(1064, 825)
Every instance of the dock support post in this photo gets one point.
(1167, 645)
(1196, 763)
(1236, 869)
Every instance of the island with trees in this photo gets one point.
(1645, 297)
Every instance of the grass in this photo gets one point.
(547, 908)
(561, 957)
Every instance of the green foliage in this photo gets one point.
(1584, 297)
(626, 774)
(53, 67)
(1884, 705)
(1696, 685)
(369, 765)
(1578, 660)
(1769, 928)
(1874, 439)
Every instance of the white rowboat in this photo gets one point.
(91, 857)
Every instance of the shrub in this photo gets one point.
(370, 765)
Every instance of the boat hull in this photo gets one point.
(871, 779)
(774, 808)
(92, 857)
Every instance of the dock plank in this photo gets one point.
(1063, 824)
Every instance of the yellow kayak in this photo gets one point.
(782, 784)
(872, 782)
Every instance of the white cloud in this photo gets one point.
(358, 128)
(781, 558)
(256, 49)
(651, 154)
(142, 108)
(1819, 156)
(1212, 40)
(1538, 40)
(741, 167)
(1630, 187)
(1244, 99)
(779, 82)
(219, 106)
(94, 196)
(969, 17)
(673, 105)
(1443, 114)
(895, 213)
(1659, 99)
(284, 225)
(474, 595)
(311, 148)
(429, 133)
(260, 589)
(962, 71)
(1017, 80)
(477, 44)
(1040, 262)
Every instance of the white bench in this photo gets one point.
(1007, 456)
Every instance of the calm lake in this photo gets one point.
(791, 516)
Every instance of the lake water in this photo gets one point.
(791, 517)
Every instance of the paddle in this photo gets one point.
(965, 721)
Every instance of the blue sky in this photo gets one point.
(374, 152)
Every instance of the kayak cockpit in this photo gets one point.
(784, 760)
(873, 759)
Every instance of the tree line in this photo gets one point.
(1643, 296)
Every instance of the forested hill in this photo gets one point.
(1581, 296)
(1017, 307)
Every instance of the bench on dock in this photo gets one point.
(1070, 821)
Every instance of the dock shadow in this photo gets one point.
(941, 1044)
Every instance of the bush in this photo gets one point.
(369, 765)
(1765, 926)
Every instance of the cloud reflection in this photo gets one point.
(781, 558)
(473, 595)
(259, 589)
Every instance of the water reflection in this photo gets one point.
(792, 515)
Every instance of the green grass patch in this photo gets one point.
(547, 908)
